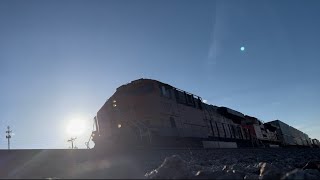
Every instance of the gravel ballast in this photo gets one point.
(249, 163)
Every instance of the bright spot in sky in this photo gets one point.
(242, 48)
(76, 127)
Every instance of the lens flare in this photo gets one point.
(76, 127)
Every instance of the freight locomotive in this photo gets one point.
(147, 112)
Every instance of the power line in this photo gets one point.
(71, 140)
(8, 136)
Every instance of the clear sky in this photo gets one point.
(61, 60)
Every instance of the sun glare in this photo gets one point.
(76, 127)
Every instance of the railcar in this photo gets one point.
(290, 136)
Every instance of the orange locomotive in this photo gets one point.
(147, 112)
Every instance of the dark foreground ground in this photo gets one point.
(290, 163)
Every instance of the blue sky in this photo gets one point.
(61, 60)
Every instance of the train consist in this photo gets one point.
(147, 112)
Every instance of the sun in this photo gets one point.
(76, 127)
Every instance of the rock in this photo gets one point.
(289, 160)
(228, 174)
(254, 169)
(173, 167)
(196, 168)
(206, 174)
(247, 159)
(260, 164)
(225, 168)
(294, 174)
(233, 160)
(237, 167)
(231, 174)
(251, 176)
(232, 164)
(216, 167)
(268, 171)
(312, 174)
(312, 165)
(302, 174)
(265, 168)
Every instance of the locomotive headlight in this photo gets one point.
(119, 125)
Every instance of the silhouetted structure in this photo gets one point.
(71, 141)
(8, 136)
(147, 112)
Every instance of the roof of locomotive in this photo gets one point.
(155, 81)
(140, 81)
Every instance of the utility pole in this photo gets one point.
(72, 140)
(8, 136)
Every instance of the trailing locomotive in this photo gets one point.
(147, 112)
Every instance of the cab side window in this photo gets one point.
(165, 91)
